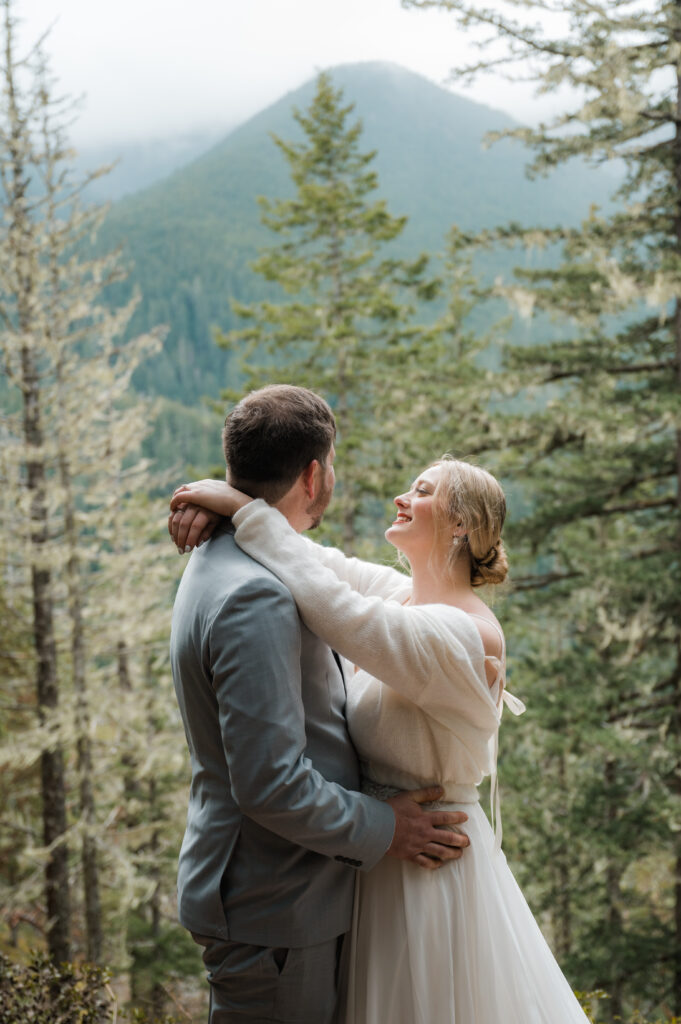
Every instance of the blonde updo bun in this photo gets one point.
(470, 496)
(493, 569)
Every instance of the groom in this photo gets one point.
(276, 826)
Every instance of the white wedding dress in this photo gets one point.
(453, 946)
(458, 945)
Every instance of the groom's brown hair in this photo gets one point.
(272, 435)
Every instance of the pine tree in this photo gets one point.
(82, 573)
(601, 466)
(350, 323)
(21, 280)
(448, 389)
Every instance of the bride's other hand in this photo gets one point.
(190, 525)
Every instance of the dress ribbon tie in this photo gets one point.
(516, 707)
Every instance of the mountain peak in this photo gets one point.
(192, 236)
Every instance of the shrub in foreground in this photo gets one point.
(43, 993)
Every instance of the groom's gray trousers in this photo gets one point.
(262, 985)
(275, 825)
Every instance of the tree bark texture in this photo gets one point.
(89, 859)
(22, 257)
(676, 719)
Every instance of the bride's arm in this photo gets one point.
(367, 578)
(428, 653)
(187, 526)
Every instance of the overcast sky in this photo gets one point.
(151, 68)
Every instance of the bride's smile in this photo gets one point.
(412, 531)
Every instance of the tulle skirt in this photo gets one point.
(454, 946)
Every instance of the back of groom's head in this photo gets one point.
(272, 435)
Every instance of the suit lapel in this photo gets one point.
(340, 669)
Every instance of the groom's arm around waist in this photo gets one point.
(254, 657)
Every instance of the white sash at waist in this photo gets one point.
(454, 792)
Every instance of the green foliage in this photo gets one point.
(158, 951)
(86, 718)
(596, 1002)
(349, 326)
(44, 993)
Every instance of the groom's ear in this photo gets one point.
(308, 478)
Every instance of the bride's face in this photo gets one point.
(413, 531)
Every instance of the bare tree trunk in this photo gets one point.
(131, 786)
(90, 867)
(614, 895)
(53, 786)
(348, 503)
(676, 718)
(563, 928)
(158, 992)
(131, 791)
(89, 861)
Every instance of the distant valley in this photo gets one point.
(136, 164)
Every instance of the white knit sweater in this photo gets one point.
(419, 707)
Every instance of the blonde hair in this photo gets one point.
(471, 496)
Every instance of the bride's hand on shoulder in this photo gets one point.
(190, 525)
(196, 508)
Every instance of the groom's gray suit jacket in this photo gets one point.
(275, 825)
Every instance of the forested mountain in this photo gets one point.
(191, 236)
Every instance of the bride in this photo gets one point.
(458, 945)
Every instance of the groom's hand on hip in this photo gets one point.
(425, 837)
